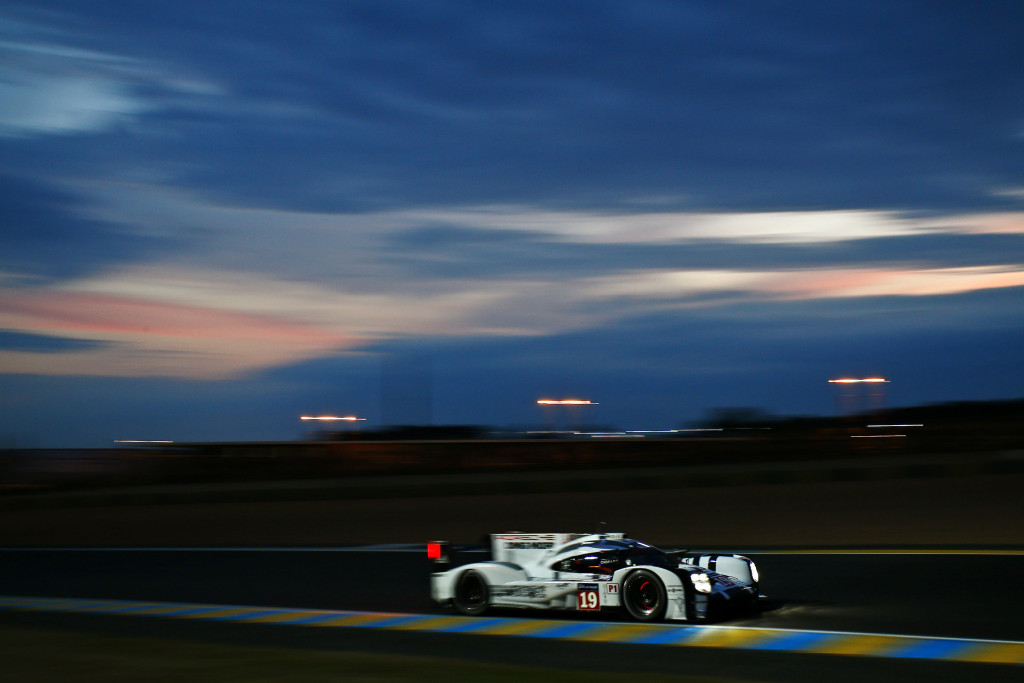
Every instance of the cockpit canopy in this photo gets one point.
(606, 556)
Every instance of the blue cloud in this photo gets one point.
(574, 104)
(46, 233)
(39, 343)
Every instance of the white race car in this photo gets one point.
(590, 572)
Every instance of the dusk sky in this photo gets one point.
(218, 216)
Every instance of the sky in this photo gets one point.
(216, 217)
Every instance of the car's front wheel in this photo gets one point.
(644, 596)
(471, 595)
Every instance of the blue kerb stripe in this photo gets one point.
(930, 649)
(470, 625)
(311, 619)
(386, 623)
(247, 615)
(564, 631)
(792, 641)
(667, 636)
(186, 610)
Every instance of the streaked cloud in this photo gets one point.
(278, 194)
(184, 317)
(280, 286)
(1010, 223)
(134, 337)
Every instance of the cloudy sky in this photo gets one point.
(218, 216)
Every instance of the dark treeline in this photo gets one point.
(736, 435)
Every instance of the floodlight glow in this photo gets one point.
(871, 380)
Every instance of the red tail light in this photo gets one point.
(433, 551)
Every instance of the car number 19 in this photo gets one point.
(587, 599)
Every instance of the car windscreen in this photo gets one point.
(599, 561)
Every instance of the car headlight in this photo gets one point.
(753, 573)
(701, 582)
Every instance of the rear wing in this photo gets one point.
(522, 548)
(515, 547)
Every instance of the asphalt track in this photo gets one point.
(948, 595)
(942, 595)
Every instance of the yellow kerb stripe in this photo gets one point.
(280, 616)
(726, 637)
(430, 623)
(515, 627)
(856, 645)
(1001, 653)
(616, 633)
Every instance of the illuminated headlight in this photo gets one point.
(701, 582)
(754, 574)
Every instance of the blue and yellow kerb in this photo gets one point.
(740, 637)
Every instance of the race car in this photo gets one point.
(592, 572)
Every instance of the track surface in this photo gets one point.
(973, 596)
(955, 595)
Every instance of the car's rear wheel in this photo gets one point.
(644, 596)
(471, 594)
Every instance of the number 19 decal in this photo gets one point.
(587, 597)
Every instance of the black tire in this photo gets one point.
(644, 596)
(471, 595)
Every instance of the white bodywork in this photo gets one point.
(524, 573)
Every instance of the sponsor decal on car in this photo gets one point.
(529, 592)
(527, 541)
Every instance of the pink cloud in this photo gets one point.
(893, 282)
(162, 339)
(94, 315)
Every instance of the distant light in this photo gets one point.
(551, 431)
(139, 441)
(651, 431)
(333, 418)
(677, 431)
(874, 380)
(885, 426)
(565, 402)
(671, 431)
